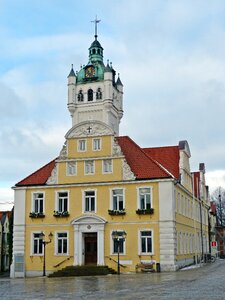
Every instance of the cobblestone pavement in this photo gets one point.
(206, 282)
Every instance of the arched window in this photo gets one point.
(90, 95)
(80, 96)
(98, 94)
(99, 51)
(93, 51)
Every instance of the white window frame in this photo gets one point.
(79, 143)
(112, 244)
(99, 144)
(138, 196)
(32, 244)
(86, 162)
(57, 240)
(33, 202)
(107, 168)
(71, 168)
(140, 242)
(57, 200)
(84, 201)
(112, 198)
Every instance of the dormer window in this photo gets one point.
(98, 94)
(80, 96)
(90, 95)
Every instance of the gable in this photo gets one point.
(141, 164)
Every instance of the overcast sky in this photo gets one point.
(171, 58)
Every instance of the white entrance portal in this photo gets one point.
(84, 225)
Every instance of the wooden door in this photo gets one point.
(90, 244)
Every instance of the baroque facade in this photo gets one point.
(101, 184)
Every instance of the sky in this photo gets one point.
(171, 58)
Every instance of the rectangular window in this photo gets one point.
(146, 242)
(38, 202)
(145, 198)
(71, 168)
(89, 198)
(96, 144)
(117, 198)
(82, 145)
(107, 166)
(89, 167)
(62, 243)
(62, 201)
(37, 244)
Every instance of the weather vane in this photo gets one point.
(96, 21)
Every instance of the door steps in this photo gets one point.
(83, 271)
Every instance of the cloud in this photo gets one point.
(6, 199)
(27, 149)
(170, 56)
(215, 179)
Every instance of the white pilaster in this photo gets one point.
(18, 264)
(167, 227)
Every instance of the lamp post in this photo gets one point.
(44, 243)
(118, 236)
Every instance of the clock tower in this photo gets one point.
(94, 92)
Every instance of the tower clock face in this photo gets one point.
(90, 72)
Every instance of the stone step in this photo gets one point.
(83, 271)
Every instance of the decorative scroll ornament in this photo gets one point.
(116, 149)
(63, 152)
(89, 129)
(53, 179)
(127, 173)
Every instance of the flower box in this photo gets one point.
(61, 213)
(36, 215)
(149, 211)
(116, 212)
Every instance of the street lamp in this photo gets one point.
(44, 243)
(119, 237)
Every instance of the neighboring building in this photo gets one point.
(102, 184)
(4, 243)
(212, 229)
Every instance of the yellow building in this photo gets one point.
(104, 194)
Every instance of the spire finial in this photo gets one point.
(96, 21)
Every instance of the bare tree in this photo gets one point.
(218, 196)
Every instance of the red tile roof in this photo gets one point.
(168, 157)
(141, 164)
(39, 177)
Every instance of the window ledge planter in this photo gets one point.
(116, 212)
(149, 211)
(61, 213)
(36, 215)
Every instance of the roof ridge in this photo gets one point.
(161, 147)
